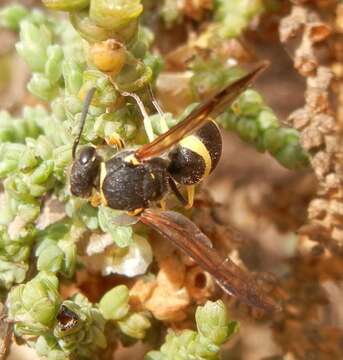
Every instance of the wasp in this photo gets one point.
(134, 180)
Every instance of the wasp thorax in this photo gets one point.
(108, 56)
(84, 172)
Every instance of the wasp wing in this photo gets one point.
(185, 235)
(212, 107)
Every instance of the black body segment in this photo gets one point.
(129, 186)
(210, 136)
(196, 156)
(186, 166)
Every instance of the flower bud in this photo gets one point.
(108, 56)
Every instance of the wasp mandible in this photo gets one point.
(134, 180)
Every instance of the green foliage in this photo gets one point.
(214, 328)
(256, 124)
(115, 307)
(234, 16)
(34, 305)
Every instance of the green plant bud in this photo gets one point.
(58, 110)
(36, 115)
(234, 16)
(42, 147)
(57, 355)
(135, 325)
(249, 103)
(40, 190)
(145, 38)
(28, 160)
(62, 159)
(69, 259)
(114, 304)
(12, 273)
(154, 355)
(105, 94)
(29, 212)
(291, 136)
(247, 129)
(73, 76)
(41, 299)
(114, 14)
(41, 174)
(36, 302)
(233, 26)
(18, 189)
(73, 105)
(266, 119)
(121, 235)
(40, 86)
(16, 130)
(273, 140)
(213, 322)
(7, 166)
(157, 123)
(12, 15)
(49, 278)
(81, 210)
(33, 43)
(50, 258)
(228, 120)
(293, 157)
(134, 77)
(53, 66)
(66, 5)
(204, 348)
(171, 13)
(46, 346)
(211, 75)
(92, 32)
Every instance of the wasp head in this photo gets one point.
(84, 172)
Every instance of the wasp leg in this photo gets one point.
(157, 106)
(115, 140)
(96, 199)
(146, 120)
(163, 204)
(190, 196)
(175, 190)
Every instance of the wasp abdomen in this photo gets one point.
(197, 155)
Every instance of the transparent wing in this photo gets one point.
(212, 107)
(185, 235)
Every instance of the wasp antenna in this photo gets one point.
(86, 104)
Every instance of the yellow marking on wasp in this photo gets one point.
(194, 144)
(135, 212)
(96, 199)
(132, 159)
(115, 139)
(190, 196)
(103, 173)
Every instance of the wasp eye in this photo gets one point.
(87, 155)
